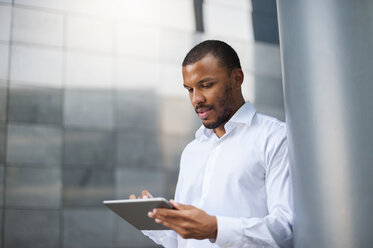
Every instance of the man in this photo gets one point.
(234, 186)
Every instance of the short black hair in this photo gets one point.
(219, 49)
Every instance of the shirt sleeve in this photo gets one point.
(275, 229)
(166, 238)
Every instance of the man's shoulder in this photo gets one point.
(272, 134)
(194, 147)
(190, 151)
(269, 127)
(191, 145)
(268, 122)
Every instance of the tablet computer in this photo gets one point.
(135, 211)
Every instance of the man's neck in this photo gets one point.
(220, 131)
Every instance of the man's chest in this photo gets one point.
(224, 170)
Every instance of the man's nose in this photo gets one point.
(197, 97)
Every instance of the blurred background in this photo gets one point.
(92, 106)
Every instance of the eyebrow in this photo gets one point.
(200, 82)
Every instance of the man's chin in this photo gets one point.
(214, 123)
(209, 125)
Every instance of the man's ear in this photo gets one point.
(237, 76)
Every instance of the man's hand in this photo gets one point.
(144, 195)
(187, 220)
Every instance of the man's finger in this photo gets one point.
(175, 225)
(168, 224)
(167, 214)
(159, 221)
(132, 196)
(146, 194)
(180, 206)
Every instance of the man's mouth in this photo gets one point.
(203, 112)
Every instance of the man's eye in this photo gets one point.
(206, 86)
(190, 90)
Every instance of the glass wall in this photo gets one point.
(92, 108)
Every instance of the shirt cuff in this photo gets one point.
(167, 238)
(230, 231)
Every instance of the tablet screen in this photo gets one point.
(135, 211)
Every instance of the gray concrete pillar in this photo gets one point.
(327, 57)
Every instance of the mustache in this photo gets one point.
(200, 106)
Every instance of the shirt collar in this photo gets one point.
(244, 115)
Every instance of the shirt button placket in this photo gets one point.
(207, 178)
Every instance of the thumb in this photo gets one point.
(179, 206)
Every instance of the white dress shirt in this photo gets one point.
(243, 178)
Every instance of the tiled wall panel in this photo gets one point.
(275, 111)
(171, 181)
(158, 13)
(267, 60)
(37, 227)
(37, 27)
(33, 187)
(268, 91)
(88, 228)
(176, 14)
(5, 20)
(133, 181)
(127, 236)
(39, 105)
(49, 4)
(34, 145)
(240, 47)
(2, 181)
(178, 117)
(243, 4)
(4, 52)
(1, 227)
(171, 148)
(3, 101)
(127, 74)
(89, 109)
(36, 66)
(2, 143)
(89, 33)
(137, 149)
(174, 45)
(139, 40)
(248, 86)
(82, 188)
(87, 71)
(136, 109)
(88, 149)
(171, 83)
(99, 8)
(235, 24)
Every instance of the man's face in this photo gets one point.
(210, 90)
